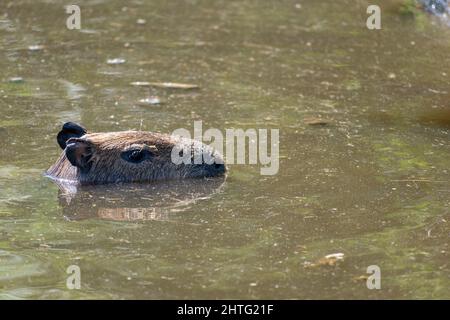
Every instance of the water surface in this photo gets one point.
(373, 184)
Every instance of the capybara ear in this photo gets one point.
(79, 153)
(69, 130)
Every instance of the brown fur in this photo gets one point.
(107, 165)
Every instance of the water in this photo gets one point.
(373, 184)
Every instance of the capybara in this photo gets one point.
(129, 156)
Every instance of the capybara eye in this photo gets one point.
(134, 156)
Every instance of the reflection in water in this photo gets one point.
(438, 7)
(437, 117)
(131, 202)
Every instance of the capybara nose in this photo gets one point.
(219, 167)
(71, 150)
(214, 169)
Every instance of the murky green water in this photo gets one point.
(374, 184)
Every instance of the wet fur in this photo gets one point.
(108, 167)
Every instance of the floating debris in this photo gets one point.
(150, 101)
(141, 21)
(115, 61)
(314, 121)
(88, 31)
(16, 80)
(140, 84)
(361, 278)
(165, 85)
(329, 260)
(335, 256)
(36, 47)
(173, 85)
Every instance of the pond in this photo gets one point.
(372, 182)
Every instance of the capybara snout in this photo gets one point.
(130, 156)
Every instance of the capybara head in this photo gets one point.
(129, 156)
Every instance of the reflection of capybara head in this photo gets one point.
(128, 156)
(161, 200)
